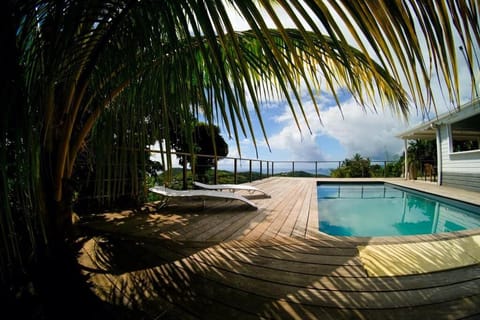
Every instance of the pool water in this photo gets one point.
(378, 209)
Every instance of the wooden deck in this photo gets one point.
(226, 261)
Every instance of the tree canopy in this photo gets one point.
(107, 77)
(356, 167)
(206, 141)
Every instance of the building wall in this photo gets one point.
(461, 169)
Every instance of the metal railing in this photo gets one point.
(264, 168)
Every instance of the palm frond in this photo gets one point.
(115, 75)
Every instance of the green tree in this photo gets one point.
(419, 153)
(206, 141)
(395, 169)
(356, 167)
(81, 74)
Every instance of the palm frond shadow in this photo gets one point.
(130, 272)
(118, 255)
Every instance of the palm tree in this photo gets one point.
(94, 75)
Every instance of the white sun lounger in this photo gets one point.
(230, 187)
(199, 194)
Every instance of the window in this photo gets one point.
(466, 134)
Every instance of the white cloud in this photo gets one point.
(370, 134)
(161, 157)
(299, 146)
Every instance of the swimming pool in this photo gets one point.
(383, 209)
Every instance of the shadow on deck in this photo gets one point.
(226, 262)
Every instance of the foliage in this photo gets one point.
(205, 140)
(223, 176)
(422, 150)
(123, 181)
(419, 153)
(353, 168)
(395, 169)
(113, 76)
(359, 166)
(376, 170)
(299, 174)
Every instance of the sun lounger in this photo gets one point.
(230, 187)
(199, 194)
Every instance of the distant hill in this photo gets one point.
(300, 174)
(224, 176)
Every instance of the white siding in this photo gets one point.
(445, 146)
(459, 169)
(465, 162)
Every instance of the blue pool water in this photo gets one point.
(369, 210)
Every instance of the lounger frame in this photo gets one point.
(201, 194)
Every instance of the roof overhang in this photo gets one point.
(427, 130)
(422, 132)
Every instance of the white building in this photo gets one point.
(457, 134)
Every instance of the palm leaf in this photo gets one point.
(112, 76)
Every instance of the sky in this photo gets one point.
(337, 136)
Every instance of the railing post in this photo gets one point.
(184, 173)
(215, 171)
(250, 169)
(270, 167)
(235, 171)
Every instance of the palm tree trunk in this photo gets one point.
(57, 214)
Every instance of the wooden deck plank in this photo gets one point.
(218, 256)
(247, 231)
(200, 282)
(334, 282)
(307, 295)
(297, 212)
(267, 210)
(317, 257)
(282, 212)
(272, 210)
(217, 224)
(301, 225)
(313, 225)
(233, 229)
(223, 261)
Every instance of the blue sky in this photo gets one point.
(335, 137)
(372, 133)
(338, 135)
